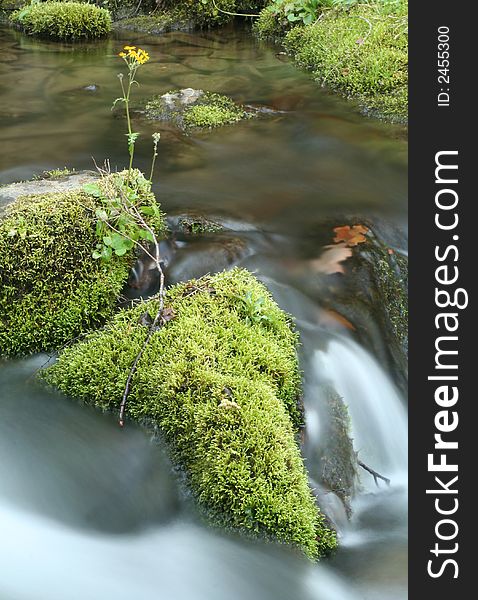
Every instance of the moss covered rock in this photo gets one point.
(360, 52)
(51, 288)
(63, 20)
(221, 382)
(157, 22)
(190, 109)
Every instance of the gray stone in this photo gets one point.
(12, 191)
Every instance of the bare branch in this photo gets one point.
(374, 474)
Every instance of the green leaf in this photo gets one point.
(106, 253)
(92, 189)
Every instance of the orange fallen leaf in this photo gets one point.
(350, 235)
(329, 316)
(329, 262)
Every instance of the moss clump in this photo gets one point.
(210, 116)
(51, 288)
(63, 20)
(361, 52)
(190, 109)
(197, 224)
(221, 381)
(56, 173)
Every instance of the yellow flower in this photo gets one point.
(134, 55)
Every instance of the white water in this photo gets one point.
(43, 560)
(378, 416)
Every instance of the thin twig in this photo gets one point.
(368, 23)
(156, 322)
(374, 474)
(255, 16)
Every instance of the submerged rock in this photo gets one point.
(51, 287)
(189, 109)
(192, 223)
(220, 381)
(156, 24)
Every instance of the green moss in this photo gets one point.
(272, 23)
(224, 389)
(51, 289)
(361, 53)
(210, 116)
(199, 110)
(56, 173)
(391, 273)
(63, 20)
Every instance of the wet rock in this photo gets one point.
(336, 513)
(12, 191)
(334, 460)
(372, 293)
(193, 223)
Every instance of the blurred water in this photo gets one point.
(316, 157)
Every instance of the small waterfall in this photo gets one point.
(378, 416)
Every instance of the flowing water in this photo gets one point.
(91, 511)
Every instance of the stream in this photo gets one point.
(91, 511)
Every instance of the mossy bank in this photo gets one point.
(220, 380)
(358, 50)
(51, 288)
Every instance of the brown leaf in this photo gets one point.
(332, 317)
(168, 314)
(350, 235)
(329, 262)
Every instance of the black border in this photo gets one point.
(431, 129)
